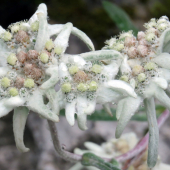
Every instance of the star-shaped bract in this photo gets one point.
(86, 81)
(29, 68)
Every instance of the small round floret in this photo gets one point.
(13, 91)
(150, 37)
(7, 36)
(5, 82)
(35, 26)
(66, 87)
(141, 77)
(15, 28)
(150, 66)
(93, 86)
(12, 59)
(73, 69)
(124, 78)
(119, 46)
(137, 69)
(82, 87)
(29, 83)
(49, 45)
(44, 58)
(58, 50)
(162, 27)
(96, 68)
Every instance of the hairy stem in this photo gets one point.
(144, 141)
(64, 154)
(76, 158)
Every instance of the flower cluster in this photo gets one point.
(129, 70)
(146, 68)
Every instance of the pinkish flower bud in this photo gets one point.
(130, 41)
(32, 55)
(142, 42)
(22, 36)
(19, 82)
(132, 52)
(22, 56)
(141, 35)
(36, 73)
(142, 50)
(80, 76)
(153, 30)
(137, 69)
(27, 69)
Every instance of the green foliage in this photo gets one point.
(90, 159)
(119, 16)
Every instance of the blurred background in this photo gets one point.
(90, 17)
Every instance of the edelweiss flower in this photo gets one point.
(85, 81)
(29, 69)
(145, 67)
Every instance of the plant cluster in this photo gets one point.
(129, 70)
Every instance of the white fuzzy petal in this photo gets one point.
(42, 36)
(107, 95)
(81, 107)
(14, 102)
(107, 109)
(52, 81)
(150, 90)
(77, 60)
(42, 8)
(37, 105)
(61, 99)
(111, 70)
(153, 132)
(93, 147)
(53, 100)
(164, 42)
(3, 58)
(19, 121)
(3, 71)
(119, 108)
(56, 29)
(101, 55)
(163, 60)
(90, 107)
(63, 37)
(124, 67)
(70, 112)
(162, 97)
(122, 87)
(4, 110)
(132, 83)
(133, 62)
(129, 107)
(164, 73)
(2, 30)
(161, 82)
(63, 70)
(81, 35)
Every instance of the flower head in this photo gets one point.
(29, 68)
(146, 68)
